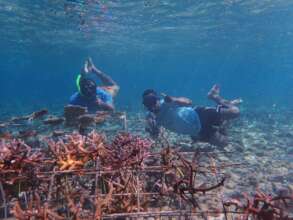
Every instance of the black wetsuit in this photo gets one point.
(210, 119)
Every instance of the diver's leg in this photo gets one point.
(214, 94)
(227, 109)
(106, 80)
(108, 83)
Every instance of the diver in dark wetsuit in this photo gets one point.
(177, 114)
(94, 97)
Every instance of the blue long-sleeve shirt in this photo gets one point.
(90, 103)
(179, 119)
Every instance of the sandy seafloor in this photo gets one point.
(261, 141)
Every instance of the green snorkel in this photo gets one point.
(78, 82)
(85, 85)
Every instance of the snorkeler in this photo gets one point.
(178, 115)
(95, 98)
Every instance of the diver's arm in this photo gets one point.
(181, 101)
(104, 106)
(152, 126)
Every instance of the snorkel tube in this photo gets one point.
(85, 86)
(78, 82)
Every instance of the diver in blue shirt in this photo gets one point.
(178, 115)
(95, 98)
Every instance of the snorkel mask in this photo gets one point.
(86, 87)
(150, 99)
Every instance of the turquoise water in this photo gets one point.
(179, 47)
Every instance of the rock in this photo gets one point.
(57, 133)
(54, 121)
(71, 114)
(86, 120)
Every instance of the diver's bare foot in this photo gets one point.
(85, 67)
(214, 92)
(236, 101)
(90, 64)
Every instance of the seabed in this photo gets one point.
(75, 165)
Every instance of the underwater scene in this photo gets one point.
(146, 109)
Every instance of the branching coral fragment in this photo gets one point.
(87, 177)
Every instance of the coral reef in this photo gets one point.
(49, 173)
(85, 177)
(72, 113)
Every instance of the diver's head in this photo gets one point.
(88, 87)
(151, 100)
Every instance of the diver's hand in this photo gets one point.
(104, 106)
(168, 99)
(99, 101)
(152, 128)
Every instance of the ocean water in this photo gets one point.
(177, 47)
